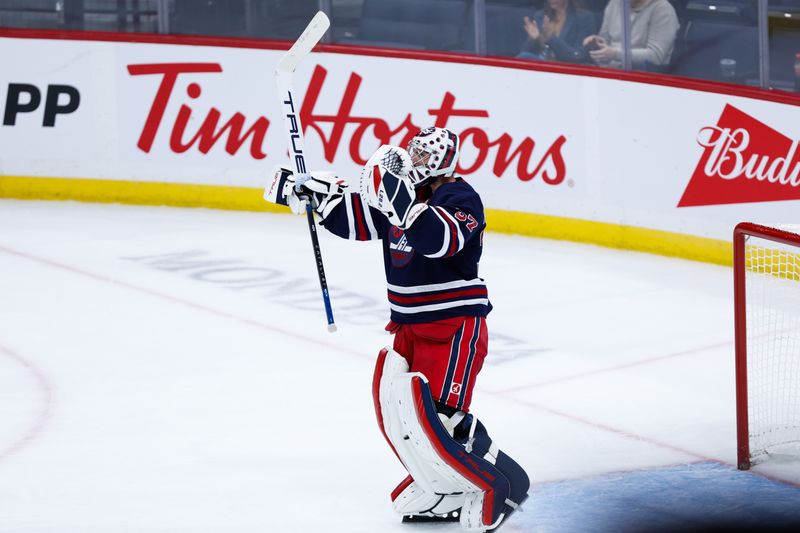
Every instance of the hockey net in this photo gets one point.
(767, 302)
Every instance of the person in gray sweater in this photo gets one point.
(654, 26)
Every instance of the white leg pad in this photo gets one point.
(416, 500)
(472, 513)
(400, 420)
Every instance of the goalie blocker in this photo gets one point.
(453, 464)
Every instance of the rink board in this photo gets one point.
(573, 154)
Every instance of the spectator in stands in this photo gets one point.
(557, 32)
(654, 26)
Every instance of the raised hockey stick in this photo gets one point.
(284, 73)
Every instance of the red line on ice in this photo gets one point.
(504, 394)
(45, 389)
(187, 303)
(610, 429)
(590, 373)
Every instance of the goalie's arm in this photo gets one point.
(443, 231)
(343, 213)
(353, 219)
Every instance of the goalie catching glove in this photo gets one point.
(324, 189)
(387, 185)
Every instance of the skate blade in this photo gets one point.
(431, 518)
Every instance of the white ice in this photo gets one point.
(169, 370)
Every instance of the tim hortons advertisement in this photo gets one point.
(238, 134)
(571, 146)
(217, 112)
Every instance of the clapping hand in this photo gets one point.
(548, 28)
(599, 49)
(532, 29)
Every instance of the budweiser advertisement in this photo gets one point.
(566, 145)
(744, 160)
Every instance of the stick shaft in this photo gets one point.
(294, 135)
(323, 282)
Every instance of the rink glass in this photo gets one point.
(743, 42)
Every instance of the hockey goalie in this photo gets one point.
(431, 223)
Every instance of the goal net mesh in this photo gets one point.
(772, 282)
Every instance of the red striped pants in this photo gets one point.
(448, 352)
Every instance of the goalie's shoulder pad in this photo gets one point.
(387, 186)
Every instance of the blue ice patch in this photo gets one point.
(692, 497)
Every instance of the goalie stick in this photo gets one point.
(284, 73)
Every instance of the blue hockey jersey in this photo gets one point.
(432, 267)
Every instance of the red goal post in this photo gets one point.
(767, 310)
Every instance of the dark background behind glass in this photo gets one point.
(717, 40)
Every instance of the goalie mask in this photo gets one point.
(434, 153)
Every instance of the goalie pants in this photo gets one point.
(449, 353)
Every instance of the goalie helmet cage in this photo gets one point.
(767, 310)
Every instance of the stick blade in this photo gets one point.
(305, 43)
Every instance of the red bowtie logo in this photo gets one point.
(744, 161)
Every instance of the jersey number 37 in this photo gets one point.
(464, 217)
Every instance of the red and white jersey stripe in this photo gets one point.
(437, 296)
(360, 223)
(452, 236)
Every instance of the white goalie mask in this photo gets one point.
(434, 152)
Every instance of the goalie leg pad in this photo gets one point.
(489, 486)
(388, 364)
(398, 420)
(409, 498)
(438, 464)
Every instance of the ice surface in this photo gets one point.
(170, 370)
